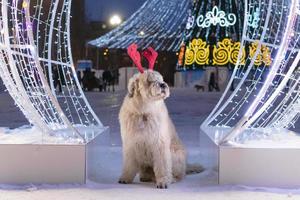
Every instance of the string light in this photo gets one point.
(34, 50)
(265, 98)
(162, 21)
(24, 4)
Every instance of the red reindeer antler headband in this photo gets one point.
(150, 54)
(135, 56)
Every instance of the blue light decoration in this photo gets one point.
(158, 23)
(253, 18)
(215, 17)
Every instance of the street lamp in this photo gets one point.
(115, 20)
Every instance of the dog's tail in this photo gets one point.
(194, 169)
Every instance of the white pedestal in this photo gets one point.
(265, 167)
(47, 164)
(52, 164)
(258, 167)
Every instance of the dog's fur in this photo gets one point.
(151, 146)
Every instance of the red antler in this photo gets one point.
(135, 56)
(150, 54)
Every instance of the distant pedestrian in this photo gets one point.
(57, 79)
(87, 79)
(100, 83)
(79, 77)
(107, 79)
(212, 83)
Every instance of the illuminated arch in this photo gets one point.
(35, 46)
(265, 98)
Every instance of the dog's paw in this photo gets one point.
(124, 181)
(162, 185)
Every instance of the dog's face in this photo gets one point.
(149, 85)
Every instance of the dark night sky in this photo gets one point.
(101, 10)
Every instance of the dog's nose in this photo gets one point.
(163, 85)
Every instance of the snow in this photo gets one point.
(187, 109)
(257, 138)
(31, 135)
(278, 139)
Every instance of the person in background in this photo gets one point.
(100, 83)
(56, 79)
(86, 79)
(212, 84)
(79, 77)
(107, 78)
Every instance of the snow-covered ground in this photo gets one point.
(188, 109)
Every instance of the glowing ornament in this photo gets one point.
(253, 19)
(215, 17)
(224, 53)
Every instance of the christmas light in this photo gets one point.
(265, 98)
(253, 18)
(215, 17)
(158, 23)
(219, 24)
(35, 58)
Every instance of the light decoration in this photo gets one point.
(215, 17)
(265, 99)
(197, 52)
(216, 23)
(24, 4)
(253, 18)
(190, 22)
(224, 53)
(142, 33)
(35, 48)
(158, 23)
(264, 55)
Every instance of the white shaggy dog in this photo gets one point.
(151, 146)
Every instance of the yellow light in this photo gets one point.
(104, 26)
(24, 4)
(105, 53)
(227, 51)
